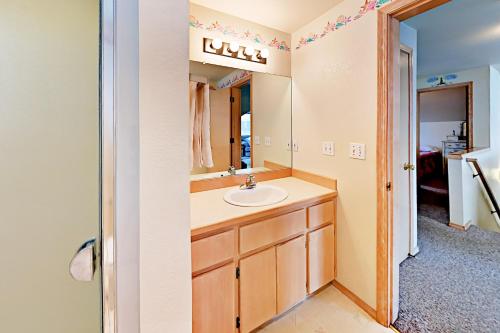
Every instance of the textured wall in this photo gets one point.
(165, 258)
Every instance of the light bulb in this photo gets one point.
(234, 47)
(264, 54)
(249, 51)
(216, 43)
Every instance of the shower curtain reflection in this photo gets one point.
(199, 106)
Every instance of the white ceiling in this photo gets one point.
(462, 34)
(283, 15)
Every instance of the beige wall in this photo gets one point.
(335, 99)
(278, 61)
(272, 106)
(49, 141)
(165, 258)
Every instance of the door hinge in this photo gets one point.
(237, 322)
(388, 186)
(237, 272)
(231, 99)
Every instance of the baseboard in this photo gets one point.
(394, 329)
(459, 226)
(415, 251)
(358, 301)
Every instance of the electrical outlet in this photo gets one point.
(295, 145)
(357, 151)
(328, 148)
(256, 140)
(267, 140)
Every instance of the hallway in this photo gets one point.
(453, 284)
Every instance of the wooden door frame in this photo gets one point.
(235, 121)
(469, 86)
(239, 84)
(389, 18)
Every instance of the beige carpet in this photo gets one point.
(453, 284)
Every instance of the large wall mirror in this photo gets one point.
(240, 121)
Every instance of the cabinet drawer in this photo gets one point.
(321, 214)
(212, 250)
(272, 230)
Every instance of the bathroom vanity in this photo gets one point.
(251, 264)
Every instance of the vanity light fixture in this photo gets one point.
(249, 51)
(233, 49)
(216, 44)
(263, 54)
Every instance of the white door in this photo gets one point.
(402, 204)
(405, 205)
(49, 170)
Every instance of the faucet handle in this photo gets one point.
(249, 182)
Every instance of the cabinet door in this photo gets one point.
(291, 273)
(321, 258)
(257, 289)
(214, 301)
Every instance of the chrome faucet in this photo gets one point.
(231, 170)
(250, 183)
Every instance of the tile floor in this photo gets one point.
(327, 312)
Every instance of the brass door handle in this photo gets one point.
(408, 166)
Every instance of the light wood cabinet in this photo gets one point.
(257, 289)
(321, 257)
(245, 276)
(212, 250)
(291, 273)
(272, 230)
(321, 214)
(214, 301)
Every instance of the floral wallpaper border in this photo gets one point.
(235, 76)
(341, 22)
(245, 35)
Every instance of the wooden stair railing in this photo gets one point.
(491, 196)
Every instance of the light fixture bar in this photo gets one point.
(234, 50)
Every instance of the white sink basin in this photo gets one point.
(262, 195)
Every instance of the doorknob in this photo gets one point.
(408, 166)
(82, 266)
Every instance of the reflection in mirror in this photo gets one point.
(240, 121)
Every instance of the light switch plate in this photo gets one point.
(357, 151)
(267, 140)
(289, 146)
(256, 140)
(295, 145)
(328, 148)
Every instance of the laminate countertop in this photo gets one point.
(209, 211)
